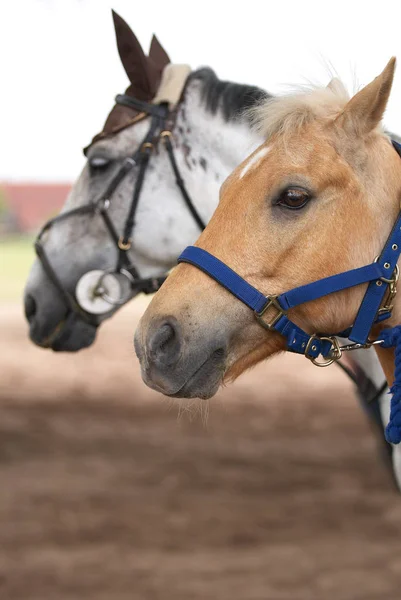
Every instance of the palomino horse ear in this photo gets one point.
(158, 54)
(133, 58)
(365, 110)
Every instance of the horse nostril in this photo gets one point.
(165, 344)
(30, 307)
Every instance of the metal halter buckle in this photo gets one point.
(272, 302)
(333, 356)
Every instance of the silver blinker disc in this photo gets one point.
(93, 288)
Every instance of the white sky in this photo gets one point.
(60, 69)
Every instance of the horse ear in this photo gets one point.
(158, 54)
(365, 110)
(132, 56)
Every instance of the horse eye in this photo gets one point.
(98, 164)
(293, 198)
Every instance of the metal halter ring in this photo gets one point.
(335, 353)
(124, 245)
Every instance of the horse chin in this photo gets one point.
(71, 335)
(203, 383)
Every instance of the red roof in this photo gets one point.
(33, 203)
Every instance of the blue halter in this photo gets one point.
(381, 275)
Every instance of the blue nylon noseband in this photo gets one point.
(381, 276)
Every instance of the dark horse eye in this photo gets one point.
(98, 164)
(293, 198)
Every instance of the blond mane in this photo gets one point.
(287, 114)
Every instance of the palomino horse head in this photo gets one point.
(209, 138)
(318, 197)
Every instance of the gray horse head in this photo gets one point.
(210, 137)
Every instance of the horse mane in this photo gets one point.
(232, 99)
(287, 114)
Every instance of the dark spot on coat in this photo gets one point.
(187, 151)
(203, 163)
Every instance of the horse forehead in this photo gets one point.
(306, 151)
(298, 152)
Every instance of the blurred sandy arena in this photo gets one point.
(273, 491)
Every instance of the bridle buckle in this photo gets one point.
(272, 302)
(333, 356)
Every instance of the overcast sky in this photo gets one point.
(60, 69)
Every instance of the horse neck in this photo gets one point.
(209, 147)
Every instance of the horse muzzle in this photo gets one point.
(70, 334)
(171, 363)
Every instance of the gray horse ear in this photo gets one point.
(365, 110)
(133, 58)
(158, 54)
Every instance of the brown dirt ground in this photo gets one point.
(108, 493)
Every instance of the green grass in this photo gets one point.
(16, 257)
